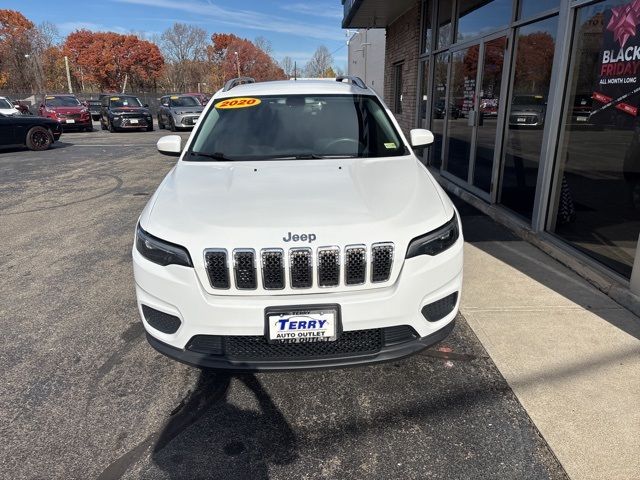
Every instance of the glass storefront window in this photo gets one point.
(427, 34)
(529, 8)
(476, 17)
(595, 203)
(445, 26)
(440, 81)
(526, 115)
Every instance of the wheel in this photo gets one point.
(88, 129)
(172, 125)
(160, 124)
(150, 127)
(112, 129)
(38, 139)
(102, 126)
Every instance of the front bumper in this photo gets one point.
(78, 123)
(176, 291)
(132, 122)
(188, 120)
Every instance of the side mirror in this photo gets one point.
(146, 105)
(170, 145)
(421, 137)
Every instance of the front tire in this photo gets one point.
(172, 125)
(160, 124)
(112, 129)
(39, 139)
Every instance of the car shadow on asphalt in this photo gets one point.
(231, 442)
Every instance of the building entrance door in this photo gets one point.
(475, 113)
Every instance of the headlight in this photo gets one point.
(161, 252)
(437, 241)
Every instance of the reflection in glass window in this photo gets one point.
(535, 44)
(439, 109)
(529, 8)
(479, 16)
(427, 33)
(595, 200)
(444, 23)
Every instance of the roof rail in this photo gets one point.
(357, 81)
(234, 82)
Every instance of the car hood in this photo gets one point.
(130, 110)
(256, 204)
(181, 110)
(67, 110)
(9, 111)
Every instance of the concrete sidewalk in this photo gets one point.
(569, 352)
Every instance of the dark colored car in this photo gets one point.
(124, 112)
(528, 111)
(439, 110)
(179, 111)
(66, 110)
(94, 108)
(37, 133)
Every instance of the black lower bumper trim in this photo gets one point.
(387, 353)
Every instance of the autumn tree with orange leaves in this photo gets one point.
(252, 60)
(15, 34)
(105, 59)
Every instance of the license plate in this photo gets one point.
(70, 121)
(582, 119)
(134, 120)
(302, 324)
(521, 120)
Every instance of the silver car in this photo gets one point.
(178, 111)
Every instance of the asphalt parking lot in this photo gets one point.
(82, 395)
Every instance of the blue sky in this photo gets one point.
(295, 28)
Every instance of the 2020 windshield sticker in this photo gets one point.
(238, 103)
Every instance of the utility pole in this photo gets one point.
(295, 70)
(124, 86)
(66, 64)
(237, 63)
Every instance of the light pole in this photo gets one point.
(237, 63)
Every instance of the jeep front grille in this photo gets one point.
(301, 267)
(217, 268)
(355, 265)
(381, 262)
(273, 268)
(244, 263)
(329, 267)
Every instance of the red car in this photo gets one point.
(66, 110)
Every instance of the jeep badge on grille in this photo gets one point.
(303, 237)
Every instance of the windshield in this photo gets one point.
(117, 102)
(293, 126)
(183, 102)
(5, 104)
(528, 100)
(61, 102)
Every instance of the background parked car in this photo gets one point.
(67, 110)
(439, 110)
(179, 111)
(124, 112)
(94, 109)
(201, 97)
(7, 107)
(22, 107)
(37, 133)
(528, 111)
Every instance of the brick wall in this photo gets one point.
(403, 45)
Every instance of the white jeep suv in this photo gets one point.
(297, 230)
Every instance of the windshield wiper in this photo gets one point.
(214, 156)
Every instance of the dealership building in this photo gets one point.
(534, 109)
